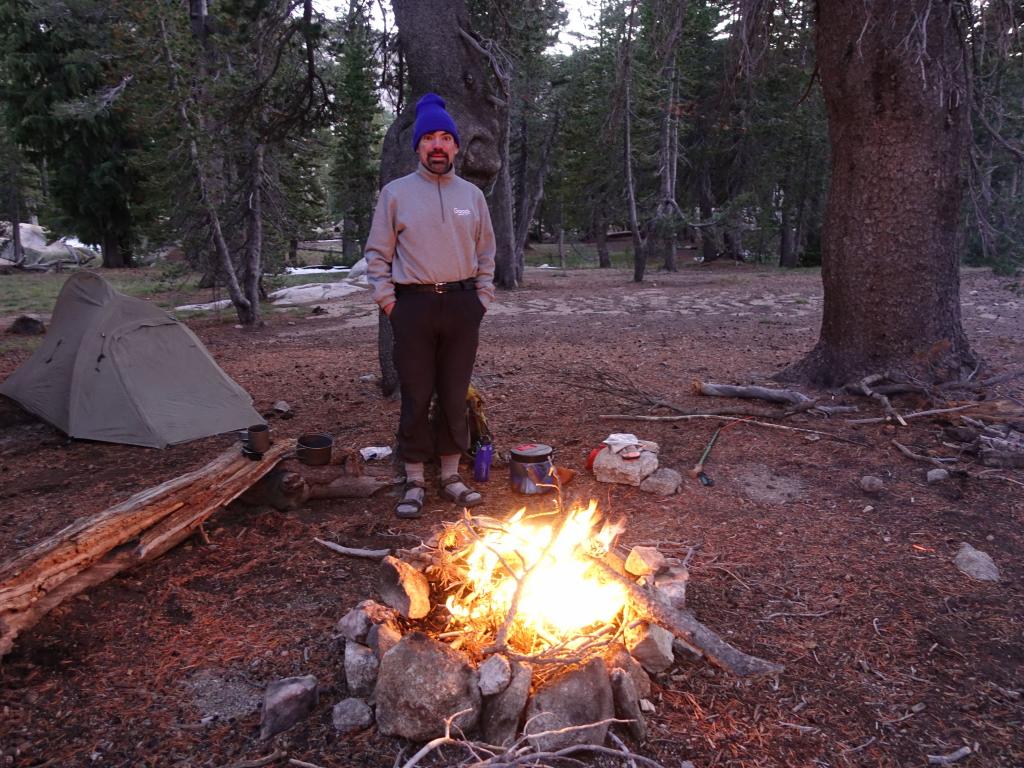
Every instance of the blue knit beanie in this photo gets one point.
(430, 117)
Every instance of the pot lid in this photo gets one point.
(531, 451)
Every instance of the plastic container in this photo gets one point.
(530, 469)
(482, 461)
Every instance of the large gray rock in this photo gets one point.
(421, 683)
(286, 702)
(651, 645)
(502, 713)
(618, 657)
(662, 482)
(580, 696)
(351, 715)
(937, 475)
(360, 669)
(611, 468)
(627, 703)
(495, 675)
(404, 588)
(976, 564)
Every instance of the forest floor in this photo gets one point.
(891, 653)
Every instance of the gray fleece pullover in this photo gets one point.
(430, 228)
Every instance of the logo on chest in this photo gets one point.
(462, 211)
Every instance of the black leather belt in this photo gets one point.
(457, 285)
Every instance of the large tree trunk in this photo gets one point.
(898, 128)
(506, 273)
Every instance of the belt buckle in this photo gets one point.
(439, 288)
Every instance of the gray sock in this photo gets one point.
(449, 465)
(414, 472)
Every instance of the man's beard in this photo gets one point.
(438, 163)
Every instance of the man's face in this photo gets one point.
(437, 151)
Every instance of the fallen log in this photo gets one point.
(685, 626)
(784, 396)
(95, 548)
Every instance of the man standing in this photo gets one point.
(430, 262)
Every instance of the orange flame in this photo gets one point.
(562, 592)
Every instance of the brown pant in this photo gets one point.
(436, 337)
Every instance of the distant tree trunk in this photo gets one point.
(19, 249)
(893, 224)
(532, 193)
(706, 202)
(788, 256)
(114, 256)
(561, 246)
(252, 270)
(293, 252)
(604, 260)
(386, 353)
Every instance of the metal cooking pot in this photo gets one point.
(314, 448)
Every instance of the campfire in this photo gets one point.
(538, 629)
(535, 577)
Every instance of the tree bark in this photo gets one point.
(113, 254)
(604, 259)
(896, 91)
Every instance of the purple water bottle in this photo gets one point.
(482, 460)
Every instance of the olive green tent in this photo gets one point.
(121, 370)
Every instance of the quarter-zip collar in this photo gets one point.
(437, 179)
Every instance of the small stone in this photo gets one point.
(404, 588)
(647, 707)
(495, 675)
(643, 561)
(351, 715)
(501, 714)
(383, 637)
(976, 564)
(627, 704)
(651, 645)
(360, 669)
(27, 325)
(871, 484)
(286, 702)
(662, 482)
(421, 683)
(581, 696)
(368, 377)
(672, 586)
(937, 475)
(281, 407)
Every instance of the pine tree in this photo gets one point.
(65, 103)
(357, 131)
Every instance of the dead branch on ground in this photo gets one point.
(92, 549)
(688, 416)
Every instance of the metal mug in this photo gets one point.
(259, 438)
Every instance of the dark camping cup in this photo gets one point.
(259, 438)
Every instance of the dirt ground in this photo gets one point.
(891, 653)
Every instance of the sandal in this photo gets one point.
(410, 506)
(467, 497)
